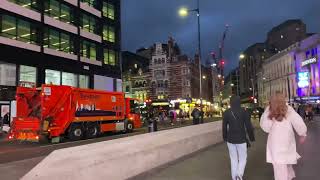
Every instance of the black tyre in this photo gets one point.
(76, 132)
(92, 130)
(129, 127)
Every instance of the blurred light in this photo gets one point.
(204, 77)
(242, 56)
(9, 29)
(231, 85)
(264, 78)
(214, 65)
(183, 12)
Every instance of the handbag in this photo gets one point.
(247, 140)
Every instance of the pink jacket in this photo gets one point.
(281, 145)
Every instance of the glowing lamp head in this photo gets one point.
(242, 56)
(183, 12)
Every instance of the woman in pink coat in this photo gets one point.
(280, 121)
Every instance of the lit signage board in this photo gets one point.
(303, 79)
(309, 61)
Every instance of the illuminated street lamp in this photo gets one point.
(242, 56)
(183, 12)
(231, 85)
(204, 77)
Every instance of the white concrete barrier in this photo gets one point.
(126, 157)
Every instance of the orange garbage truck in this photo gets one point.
(52, 112)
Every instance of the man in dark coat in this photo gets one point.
(236, 126)
(196, 115)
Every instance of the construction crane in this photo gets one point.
(221, 49)
(219, 61)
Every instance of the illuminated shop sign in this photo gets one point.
(303, 79)
(309, 61)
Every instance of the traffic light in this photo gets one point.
(252, 98)
(222, 62)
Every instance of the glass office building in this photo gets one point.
(61, 42)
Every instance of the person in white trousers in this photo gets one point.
(280, 120)
(236, 126)
(238, 158)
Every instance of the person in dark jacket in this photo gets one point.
(196, 115)
(236, 126)
(6, 119)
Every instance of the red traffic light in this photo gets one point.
(252, 98)
(222, 62)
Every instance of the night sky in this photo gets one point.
(145, 22)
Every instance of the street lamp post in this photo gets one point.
(184, 12)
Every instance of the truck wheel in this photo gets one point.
(75, 132)
(92, 130)
(129, 127)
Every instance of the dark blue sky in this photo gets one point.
(145, 22)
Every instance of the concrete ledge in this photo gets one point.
(127, 157)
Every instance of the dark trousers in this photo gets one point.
(196, 121)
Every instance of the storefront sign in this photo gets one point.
(309, 61)
(303, 79)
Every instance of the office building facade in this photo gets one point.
(61, 42)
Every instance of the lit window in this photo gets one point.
(88, 50)
(53, 77)
(110, 57)
(108, 10)
(18, 29)
(59, 11)
(59, 41)
(109, 33)
(89, 23)
(8, 74)
(27, 74)
(69, 79)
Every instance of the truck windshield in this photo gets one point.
(134, 107)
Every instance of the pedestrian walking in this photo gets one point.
(236, 127)
(280, 120)
(196, 113)
(302, 111)
(201, 116)
(309, 112)
(6, 119)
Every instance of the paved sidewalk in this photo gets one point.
(214, 164)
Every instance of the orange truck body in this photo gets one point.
(63, 111)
